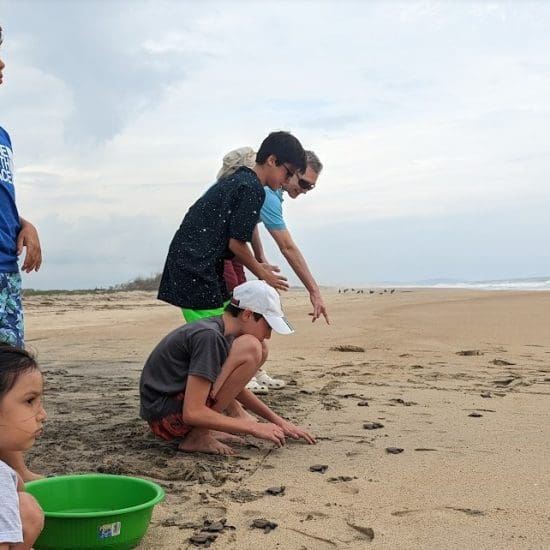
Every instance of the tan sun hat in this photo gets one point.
(244, 156)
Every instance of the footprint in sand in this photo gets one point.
(347, 348)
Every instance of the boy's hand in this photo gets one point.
(268, 431)
(296, 432)
(28, 237)
(278, 282)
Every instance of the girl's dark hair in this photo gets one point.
(13, 363)
(236, 311)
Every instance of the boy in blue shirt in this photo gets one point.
(15, 234)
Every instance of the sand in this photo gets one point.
(461, 481)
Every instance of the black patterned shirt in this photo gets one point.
(193, 272)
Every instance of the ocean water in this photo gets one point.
(532, 283)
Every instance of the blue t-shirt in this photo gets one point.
(9, 217)
(271, 214)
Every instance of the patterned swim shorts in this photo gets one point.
(172, 426)
(11, 310)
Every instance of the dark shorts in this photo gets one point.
(172, 426)
(11, 310)
(233, 274)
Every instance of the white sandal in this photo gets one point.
(258, 389)
(272, 383)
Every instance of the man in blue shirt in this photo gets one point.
(271, 215)
(16, 233)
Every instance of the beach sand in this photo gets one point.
(431, 358)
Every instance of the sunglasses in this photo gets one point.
(289, 173)
(305, 185)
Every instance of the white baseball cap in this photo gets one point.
(259, 297)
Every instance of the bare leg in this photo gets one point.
(16, 460)
(241, 364)
(236, 410)
(244, 359)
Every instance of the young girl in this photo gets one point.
(21, 420)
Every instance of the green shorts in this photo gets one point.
(191, 315)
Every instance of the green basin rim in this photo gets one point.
(149, 504)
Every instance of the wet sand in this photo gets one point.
(459, 380)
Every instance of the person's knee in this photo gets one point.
(32, 517)
(247, 348)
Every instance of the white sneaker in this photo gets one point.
(272, 383)
(256, 388)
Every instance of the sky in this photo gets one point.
(431, 119)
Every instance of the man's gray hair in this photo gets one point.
(312, 160)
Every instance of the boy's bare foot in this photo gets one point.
(202, 441)
(227, 438)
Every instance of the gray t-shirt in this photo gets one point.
(11, 530)
(199, 348)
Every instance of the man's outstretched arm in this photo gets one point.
(295, 258)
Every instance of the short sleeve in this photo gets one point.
(271, 214)
(11, 530)
(208, 353)
(246, 212)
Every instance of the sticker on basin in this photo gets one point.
(108, 530)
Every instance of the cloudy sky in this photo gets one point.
(431, 119)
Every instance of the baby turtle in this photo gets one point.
(394, 450)
(372, 425)
(275, 491)
(321, 468)
(475, 415)
(202, 539)
(265, 524)
(214, 527)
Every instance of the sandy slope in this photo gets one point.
(461, 481)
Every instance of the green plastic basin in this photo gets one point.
(85, 512)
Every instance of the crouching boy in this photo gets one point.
(198, 371)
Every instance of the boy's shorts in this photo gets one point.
(233, 274)
(172, 426)
(191, 315)
(11, 310)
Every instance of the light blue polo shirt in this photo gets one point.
(271, 214)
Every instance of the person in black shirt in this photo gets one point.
(220, 224)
